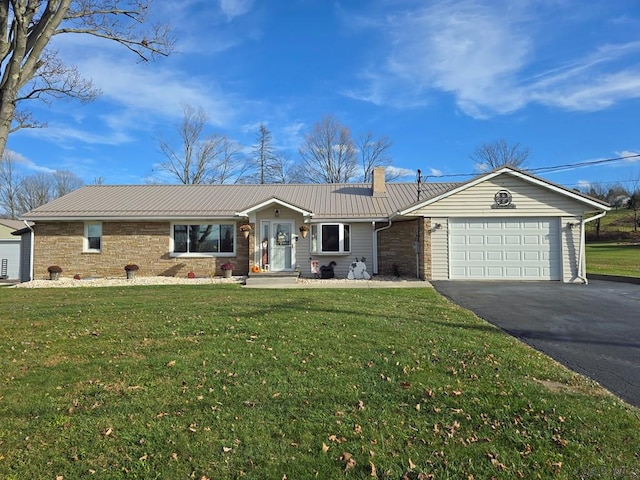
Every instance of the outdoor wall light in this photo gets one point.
(572, 225)
(438, 226)
(277, 212)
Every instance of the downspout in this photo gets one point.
(31, 249)
(581, 255)
(375, 243)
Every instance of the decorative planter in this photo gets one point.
(131, 274)
(304, 231)
(227, 273)
(246, 233)
(54, 275)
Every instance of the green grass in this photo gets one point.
(614, 259)
(220, 382)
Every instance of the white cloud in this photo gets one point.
(235, 8)
(400, 173)
(435, 172)
(633, 154)
(583, 184)
(484, 54)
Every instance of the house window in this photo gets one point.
(203, 239)
(93, 237)
(330, 238)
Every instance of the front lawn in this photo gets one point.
(220, 382)
(613, 259)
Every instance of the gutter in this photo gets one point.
(581, 257)
(31, 248)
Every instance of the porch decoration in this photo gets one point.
(304, 231)
(54, 272)
(358, 270)
(131, 269)
(227, 269)
(255, 269)
(246, 229)
(191, 275)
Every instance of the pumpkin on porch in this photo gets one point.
(255, 269)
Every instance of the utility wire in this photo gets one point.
(547, 169)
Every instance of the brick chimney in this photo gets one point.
(378, 187)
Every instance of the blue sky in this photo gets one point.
(438, 78)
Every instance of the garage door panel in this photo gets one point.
(515, 248)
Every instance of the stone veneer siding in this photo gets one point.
(143, 243)
(395, 246)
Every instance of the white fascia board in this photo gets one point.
(272, 201)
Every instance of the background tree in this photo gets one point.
(19, 194)
(373, 152)
(617, 195)
(599, 191)
(66, 182)
(200, 158)
(499, 153)
(633, 203)
(9, 184)
(30, 71)
(264, 158)
(327, 153)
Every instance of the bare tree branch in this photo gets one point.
(29, 71)
(499, 153)
(201, 159)
(373, 153)
(328, 153)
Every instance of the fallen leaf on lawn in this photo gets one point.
(174, 456)
(325, 447)
(192, 428)
(405, 384)
(107, 432)
(226, 449)
(357, 429)
(374, 474)
(411, 465)
(60, 477)
(171, 363)
(360, 405)
(348, 460)
(143, 457)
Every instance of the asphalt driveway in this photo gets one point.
(593, 329)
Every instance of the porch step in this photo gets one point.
(271, 279)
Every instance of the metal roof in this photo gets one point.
(324, 201)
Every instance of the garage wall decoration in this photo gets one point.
(503, 199)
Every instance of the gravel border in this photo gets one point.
(141, 281)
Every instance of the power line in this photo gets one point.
(547, 169)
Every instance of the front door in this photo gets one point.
(277, 248)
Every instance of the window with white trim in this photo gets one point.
(92, 237)
(203, 239)
(330, 238)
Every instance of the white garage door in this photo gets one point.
(504, 248)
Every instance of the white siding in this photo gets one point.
(361, 246)
(439, 249)
(529, 200)
(570, 248)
